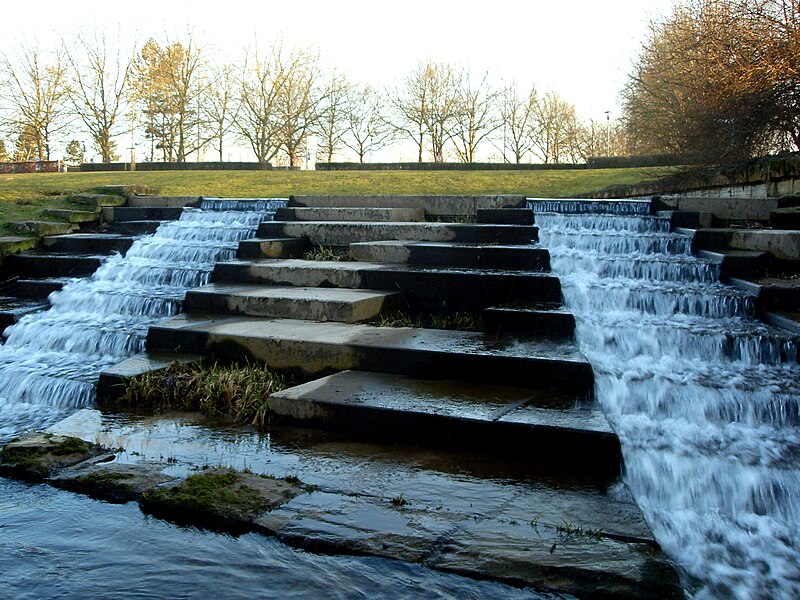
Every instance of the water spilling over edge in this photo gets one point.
(705, 399)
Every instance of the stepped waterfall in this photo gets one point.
(50, 360)
(704, 398)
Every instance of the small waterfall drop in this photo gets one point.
(705, 399)
(50, 360)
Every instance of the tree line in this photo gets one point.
(718, 81)
(182, 101)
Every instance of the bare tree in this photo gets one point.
(221, 106)
(442, 105)
(476, 115)
(297, 106)
(555, 125)
(256, 121)
(517, 115)
(368, 130)
(35, 93)
(334, 115)
(409, 104)
(100, 76)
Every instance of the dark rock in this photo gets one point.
(113, 482)
(36, 456)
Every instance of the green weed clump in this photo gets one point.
(331, 253)
(240, 392)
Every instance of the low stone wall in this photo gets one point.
(32, 166)
(177, 166)
(443, 166)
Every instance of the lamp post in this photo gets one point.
(608, 133)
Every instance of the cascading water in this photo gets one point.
(705, 399)
(50, 361)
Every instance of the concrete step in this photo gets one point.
(133, 227)
(432, 205)
(11, 244)
(453, 254)
(147, 213)
(127, 189)
(550, 425)
(745, 209)
(314, 304)
(72, 216)
(97, 201)
(785, 319)
(39, 289)
(88, 243)
(782, 244)
(505, 216)
(422, 287)
(42, 265)
(315, 349)
(13, 309)
(163, 201)
(547, 321)
(327, 233)
(737, 263)
(272, 248)
(366, 214)
(772, 293)
(112, 382)
(41, 228)
(687, 219)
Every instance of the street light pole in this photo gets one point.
(608, 133)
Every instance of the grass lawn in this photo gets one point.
(23, 196)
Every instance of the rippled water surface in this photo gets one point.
(704, 398)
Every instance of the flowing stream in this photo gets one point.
(50, 361)
(703, 396)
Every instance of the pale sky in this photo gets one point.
(582, 49)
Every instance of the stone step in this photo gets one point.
(42, 265)
(39, 289)
(11, 244)
(113, 380)
(272, 248)
(97, 201)
(163, 201)
(782, 244)
(146, 213)
(13, 309)
(550, 322)
(432, 205)
(687, 219)
(315, 349)
(127, 189)
(772, 293)
(423, 287)
(314, 304)
(549, 425)
(327, 233)
(72, 216)
(505, 216)
(41, 228)
(745, 209)
(785, 319)
(88, 243)
(453, 254)
(737, 263)
(367, 214)
(133, 227)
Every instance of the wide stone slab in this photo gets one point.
(423, 287)
(328, 233)
(744, 209)
(272, 248)
(11, 244)
(146, 213)
(369, 214)
(316, 349)
(72, 216)
(551, 426)
(316, 304)
(12, 309)
(453, 254)
(133, 227)
(163, 201)
(782, 244)
(40, 228)
(432, 205)
(53, 265)
(549, 321)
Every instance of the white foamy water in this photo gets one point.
(50, 361)
(705, 399)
